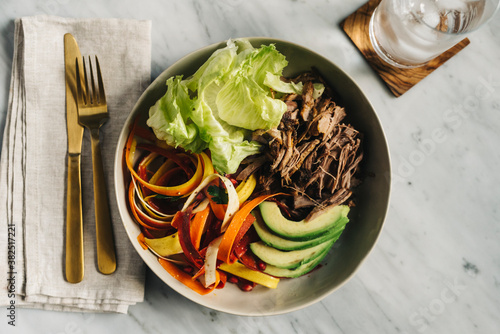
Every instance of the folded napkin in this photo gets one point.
(33, 165)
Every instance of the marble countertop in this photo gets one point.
(436, 266)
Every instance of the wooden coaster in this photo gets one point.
(399, 80)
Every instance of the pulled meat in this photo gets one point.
(312, 155)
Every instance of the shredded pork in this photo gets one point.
(312, 155)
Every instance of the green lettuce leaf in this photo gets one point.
(170, 118)
(243, 103)
(275, 82)
(221, 103)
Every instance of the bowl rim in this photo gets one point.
(122, 207)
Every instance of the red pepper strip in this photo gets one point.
(140, 239)
(198, 226)
(185, 278)
(145, 133)
(180, 190)
(169, 154)
(188, 248)
(244, 254)
(143, 171)
(155, 234)
(223, 279)
(147, 233)
(165, 178)
(231, 235)
(164, 168)
(249, 261)
(135, 213)
(212, 231)
(242, 245)
(178, 217)
(244, 228)
(176, 221)
(145, 162)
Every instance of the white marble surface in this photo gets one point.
(436, 267)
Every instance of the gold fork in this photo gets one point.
(92, 113)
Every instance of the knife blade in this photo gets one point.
(74, 220)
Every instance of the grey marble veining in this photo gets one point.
(436, 266)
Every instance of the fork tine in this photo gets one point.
(88, 93)
(102, 95)
(85, 75)
(93, 94)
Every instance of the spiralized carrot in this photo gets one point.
(198, 225)
(179, 190)
(232, 233)
(185, 278)
(220, 226)
(133, 208)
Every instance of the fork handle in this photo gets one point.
(106, 257)
(74, 222)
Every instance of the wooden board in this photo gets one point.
(399, 80)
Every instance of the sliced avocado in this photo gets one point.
(278, 242)
(288, 259)
(299, 271)
(303, 230)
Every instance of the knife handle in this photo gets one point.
(106, 257)
(74, 222)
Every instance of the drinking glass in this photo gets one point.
(410, 33)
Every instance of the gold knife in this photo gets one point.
(74, 220)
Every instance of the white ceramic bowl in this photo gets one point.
(366, 219)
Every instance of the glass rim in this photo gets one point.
(495, 3)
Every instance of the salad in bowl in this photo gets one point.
(240, 172)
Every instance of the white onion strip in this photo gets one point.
(162, 222)
(200, 207)
(233, 204)
(211, 261)
(137, 190)
(178, 262)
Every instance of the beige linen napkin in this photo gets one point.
(33, 164)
